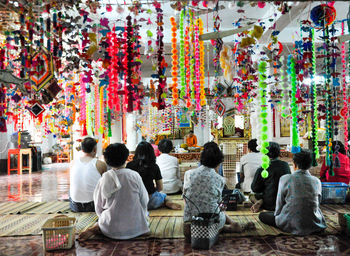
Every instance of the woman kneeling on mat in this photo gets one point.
(298, 200)
(203, 187)
(120, 199)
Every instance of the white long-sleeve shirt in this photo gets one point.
(124, 214)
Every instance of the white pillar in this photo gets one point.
(131, 138)
(116, 127)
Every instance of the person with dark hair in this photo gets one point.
(266, 188)
(144, 163)
(191, 139)
(155, 147)
(203, 187)
(298, 200)
(120, 199)
(249, 163)
(341, 169)
(169, 168)
(85, 172)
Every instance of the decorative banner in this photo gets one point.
(43, 69)
(344, 111)
(174, 62)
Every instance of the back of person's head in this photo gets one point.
(252, 144)
(165, 146)
(274, 150)
(88, 145)
(116, 154)
(338, 145)
(211, 155)
(144, 155)
(191, 132)
(303, 159)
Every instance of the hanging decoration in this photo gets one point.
(263, 119)
(182, 56)
(113, 74)
(344, 111)
(323, 15)
(294, 106)
(187, 67)
(128, 64)
(174, 63)
(197, 66)
(43, 70)
(161, 93)
(285, 90)
(314, 113)
(201, 68)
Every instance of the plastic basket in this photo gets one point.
(333, 192)
(347, 217)
(58, 233)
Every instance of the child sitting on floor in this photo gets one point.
(120, 199)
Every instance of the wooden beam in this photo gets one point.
(222, 34)
(283, 21)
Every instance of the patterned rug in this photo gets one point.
(51, 207)
(329, 209)
(17, 207)
(161, 227)
(30, 224)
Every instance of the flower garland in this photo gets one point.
(344, 111)
(97, 108)
(263, 119)
(294, 106)
(175, 63)
(197, 64)
(113, 50)
(201, 68)
(101, 114)
(182, 56)
(192, 60)
(314, 114)
(187, 66)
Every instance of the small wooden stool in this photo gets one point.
(19, 168)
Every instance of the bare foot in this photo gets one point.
(173, 206)
(249, 226)
(247, 204)
(90, 232)
(256, 207)
(233, 228)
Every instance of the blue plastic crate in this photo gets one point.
(333, 192)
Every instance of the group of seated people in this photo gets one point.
(292, 200)
(122, 195)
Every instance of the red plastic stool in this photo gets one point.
(19, 152)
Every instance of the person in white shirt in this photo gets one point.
(249, 163)
(169, 168)
(120, 199)
(84, 175)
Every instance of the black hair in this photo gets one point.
(116, 154)
(340, 145)
(165, 146)
(274, 150)
(88, 144)
(191, 131)
(252, 144)
(303, 159)
(144, 156)
(211, 155)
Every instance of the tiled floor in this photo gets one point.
(53, 184)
